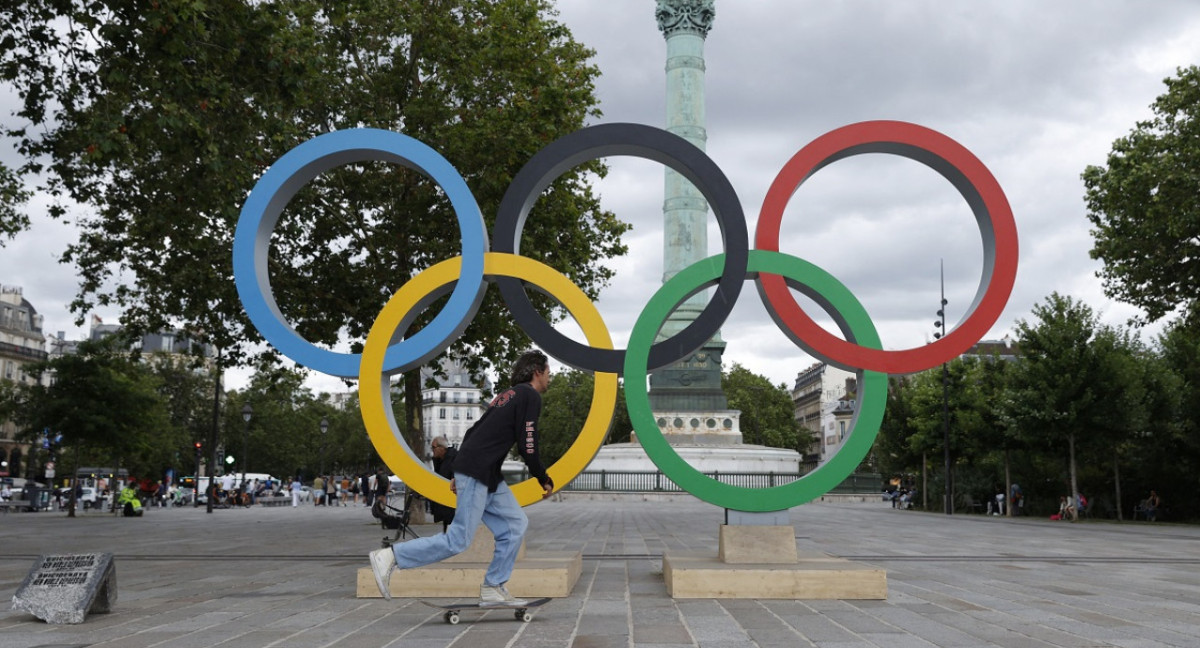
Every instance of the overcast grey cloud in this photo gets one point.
(1036, 90)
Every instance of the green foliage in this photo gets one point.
(1126, 410)
(159, 117)
(284, 435)
(106, 401)
(894, 453)
(1144, 205)
(768, 415)
(565, 407)
(12, 195)
(1052, 389)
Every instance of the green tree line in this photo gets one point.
(146, 413)
(1083, 408)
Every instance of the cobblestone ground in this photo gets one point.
(285, 577)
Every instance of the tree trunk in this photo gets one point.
(1117, 481)
(1008, 485)
(924, 482)
(1074, 484)
(414, 433)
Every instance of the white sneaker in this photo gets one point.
(383, 561)
(495, 596)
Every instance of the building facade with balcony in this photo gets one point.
(453, 405)
(837, 415)
(21, 343)
(817, 389)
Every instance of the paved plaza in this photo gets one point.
(284, 577)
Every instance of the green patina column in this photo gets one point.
(693, 385)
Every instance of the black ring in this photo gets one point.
(635, 140)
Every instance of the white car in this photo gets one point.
(88, 497)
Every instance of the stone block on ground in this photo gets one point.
(66, 588)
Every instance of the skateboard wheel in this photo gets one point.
(524, 615)
(452, 618)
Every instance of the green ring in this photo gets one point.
(863, 429)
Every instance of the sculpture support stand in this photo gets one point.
(542, 574)
(757, 558)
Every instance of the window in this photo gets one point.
(842, 430)
(442, 413)
(442, 397)
(470, 415)
(456, 414)
(457, 396)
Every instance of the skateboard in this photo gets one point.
(521, 612)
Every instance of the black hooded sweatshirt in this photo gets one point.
(510, 418)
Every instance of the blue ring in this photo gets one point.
(260, 213)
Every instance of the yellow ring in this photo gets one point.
(374, 393)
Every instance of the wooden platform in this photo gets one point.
(536, 575)
(818, 576)
(782, 573)
(546, 574)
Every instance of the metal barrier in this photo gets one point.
(655, 482)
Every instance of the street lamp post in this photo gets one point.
(949, 503)
(324, 429)
(247, 412)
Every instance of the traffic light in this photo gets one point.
(198, 446)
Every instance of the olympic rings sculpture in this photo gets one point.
(388, 351)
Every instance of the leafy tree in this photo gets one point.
(768, 414)
(159, 117)
(1057, 387)
(1168, 449)
(186, 389)
(565, 407)
(929, 401)
(284, 435)
(12, 195)
(1145, 205)
(104, 401)
(893, 451)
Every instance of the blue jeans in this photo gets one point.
(498, 510)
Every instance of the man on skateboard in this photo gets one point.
(482, 494)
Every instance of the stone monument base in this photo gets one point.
(547, 573)
(705, 428)
(762, 562)
(631, 457)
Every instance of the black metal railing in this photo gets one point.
(655, 482)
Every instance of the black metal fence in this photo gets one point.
(655, 482)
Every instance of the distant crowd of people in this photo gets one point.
(1012, 503)
(343, 491)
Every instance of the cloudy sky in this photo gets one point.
(1036, 90)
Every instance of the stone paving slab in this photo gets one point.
(284, 578)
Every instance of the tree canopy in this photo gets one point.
(105, 401)
(159, 117)
(565, 407)
(12, 195)
(768, 415)
(1144, 205)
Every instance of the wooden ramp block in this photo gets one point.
(541, 574)
(812, 576)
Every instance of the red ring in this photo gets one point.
(954, 162)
